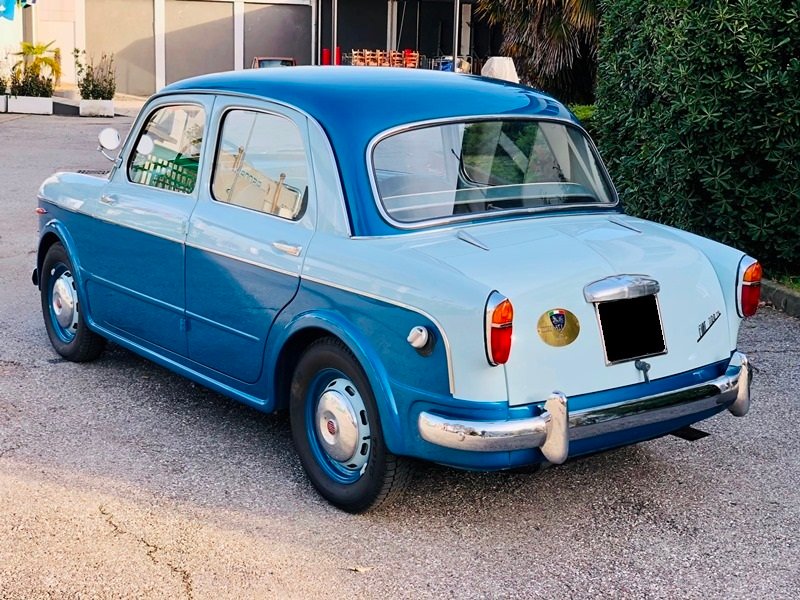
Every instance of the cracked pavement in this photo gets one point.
(121, 480)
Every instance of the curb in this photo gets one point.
(781, 297)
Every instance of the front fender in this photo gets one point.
(50, 232)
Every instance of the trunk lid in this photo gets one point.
(544, 268)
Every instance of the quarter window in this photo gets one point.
(261, 164)
(167, 153)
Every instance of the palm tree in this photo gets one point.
(553, 42)
(36, 56)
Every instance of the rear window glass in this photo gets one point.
(482, 167)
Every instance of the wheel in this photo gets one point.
(66, 328)
(337, 431)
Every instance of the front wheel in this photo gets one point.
(65, 324)
(337, 431)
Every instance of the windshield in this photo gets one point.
(465, 169)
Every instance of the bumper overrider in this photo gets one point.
(552, 430)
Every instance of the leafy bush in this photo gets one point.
(35, 57)
(3, 85)
(95, 82)
(30, 83)
(698, 115)
(585, 114)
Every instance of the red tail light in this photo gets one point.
(749, 286)
(499, 328)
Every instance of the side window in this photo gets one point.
(167, 153)
(261, 164)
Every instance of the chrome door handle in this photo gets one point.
(287, 248)
(109, 200)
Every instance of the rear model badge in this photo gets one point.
(703, 328)
(558, 327)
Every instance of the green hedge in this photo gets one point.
(698, 117)
(585, 114)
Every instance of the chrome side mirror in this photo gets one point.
(109, 140)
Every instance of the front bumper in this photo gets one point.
(552, 430)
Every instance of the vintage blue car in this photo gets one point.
(415, 264)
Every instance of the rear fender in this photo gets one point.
(337, 326)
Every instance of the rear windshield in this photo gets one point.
(482, 167)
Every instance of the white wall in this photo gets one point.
(56, 21)
(10, 38)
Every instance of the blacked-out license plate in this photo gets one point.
(631, 328)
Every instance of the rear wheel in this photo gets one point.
(65, 324)
(337, 431)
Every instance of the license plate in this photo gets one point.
(631, 329)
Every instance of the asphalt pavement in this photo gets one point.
(119, 479)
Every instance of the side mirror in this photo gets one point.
(109, 140)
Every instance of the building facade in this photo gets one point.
(156, 42)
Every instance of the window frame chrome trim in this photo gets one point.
(140, 124)
(222, 93)
(306, 148)
(486, 215)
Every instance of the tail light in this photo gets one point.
(499, 327)
(749, 286)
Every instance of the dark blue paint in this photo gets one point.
(135, 280)
(354, 104)
(411, 404)
(230, 306)
(375, 332)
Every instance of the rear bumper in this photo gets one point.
(556, 426)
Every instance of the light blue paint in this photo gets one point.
(200, 288)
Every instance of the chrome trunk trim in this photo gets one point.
(620, 287)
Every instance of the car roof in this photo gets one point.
(354, 104)
(379, 98)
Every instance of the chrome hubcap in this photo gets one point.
(65, 301)
(341, 424)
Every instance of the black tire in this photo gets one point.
(70, 337)
(328, 375)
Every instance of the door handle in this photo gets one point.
(109, 200)
(287, 248)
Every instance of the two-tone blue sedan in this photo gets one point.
(415, 264)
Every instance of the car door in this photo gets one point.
(135, 255)
(247, 236)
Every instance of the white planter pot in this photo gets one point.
(3, 103)
(30, 105)
(97, 108)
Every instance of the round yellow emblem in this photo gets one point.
(558, 327)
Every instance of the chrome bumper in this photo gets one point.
(552, 430)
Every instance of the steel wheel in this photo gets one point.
(337, 431)
(63, 301)
(61, 309)
(337, 426)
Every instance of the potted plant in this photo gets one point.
(32, 90)
(31, 93)
(97, 84)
